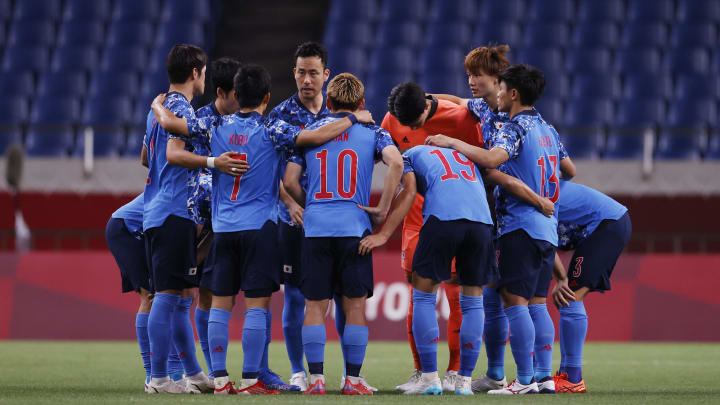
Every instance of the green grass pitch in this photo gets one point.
(50, 372)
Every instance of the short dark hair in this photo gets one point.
(181, 61)
(407, 102)
(252, 83)
(310, 48)
(528, 80)
(222, 73)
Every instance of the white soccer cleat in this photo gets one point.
(147, 383)
(463, 385)
(299, 379)
(426, 386)
(449, 380)
(485, 384)
(515, 388)
(165, 386)
(223, 386)
(411, 382)
(199, 384)
(363, 381)
(546, 386)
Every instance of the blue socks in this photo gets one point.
(141, 322)
(573, 328)
(218, 336)
(522, 340)
(496, 333)
(340, 324)
(184, 336)
(201, 323)
(292, 320)
(268, 336)
(253, 341)
(159, 324)
(174, 365)
(314, 338)
(425, 329)
(355, 340)
(471, 331)
(544, 338)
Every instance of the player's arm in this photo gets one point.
(178, 156)
(482, 157)
(179, 125)
(567, 169)
(402, 204)
(295, 209)
(561, 293)
(143, 156)
(325, 133)
(203, 247)
(291, 182)
(455, 99)
(520, 190)
(392, 158)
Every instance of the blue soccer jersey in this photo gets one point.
(200, 195)
(490, 121)
(450, 182)
(534, 155)
(340, 177)
(294, 112)
(580, 211)
(132, 214)
(246, 202)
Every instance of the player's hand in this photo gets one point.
(370, 242)
(441, 141)
(229, 164)
(159, 99)
(377, 214)
(364, 116)
(547, 207)
(562, 295)
(296, 213)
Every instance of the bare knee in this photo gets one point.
(204, 299)
(315, 312)
(354, 310)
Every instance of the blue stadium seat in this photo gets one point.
(114, 84)
(378, 89)
(26, 10)
(26, 58)
(551, 10)
(51, 130)
(506, 33)
(107, 142)
(637, 61)
(623, 145)
(171, 33)
(141, 108)
(672, 146)
(551, 109)
(606, 10)
(588, 60)
(648, 86)
(392, 61)
(644, 34)
(15, 111)
(401, 11)
(9, 136)
(3, 38)
(694, 34)
(453, 11)
(445, 84)
(32, 33)
(696, 86)
(399, 34)
(596, 86)
(16, 84)
(348, 35)
(134, 143)
(448, 35)
(584, 113)
(55, 111)
(713, 147)
(548, 60)
(83, 10)
(75, 58)
(186, 10)
(698, 11)
(132, 10)
(546, 35)
(347, 59)
(499, 12)
(595, 35)
(123, 57)
(130, 33)
(651, 11)
(582, 146)
(637, 113)
(107, 116)
(81, 33)
(716, 61)
(557, 85)
(353, 10)
(693, 114)
(62, 84)
(5, 9)
(688, 61)
(443, 61)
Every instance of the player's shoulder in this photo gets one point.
(207, 110)
(285, 108)
(178, 104)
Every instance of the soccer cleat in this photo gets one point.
(224, 387)
(449, 380)
(564, 386)
(515, 388)
(299, 380)
(363, 381)
(485, 384)
(355, 386)
(425, 387)
(546, 386)
(317, 385)
(147, 383)
(274, 382)
(165, 386)
(255, 387)
(199, 384)
(463, 385)
(411, 382)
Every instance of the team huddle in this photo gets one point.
(239, 200)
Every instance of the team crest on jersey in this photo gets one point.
(287, 269)
(192, 271)
(498, 125)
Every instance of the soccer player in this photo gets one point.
(598, 228)
(525, 147)
(335, 219)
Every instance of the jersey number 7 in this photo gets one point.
(236, 183)
(553, 179)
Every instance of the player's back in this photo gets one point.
(450, 182)
(585, 206)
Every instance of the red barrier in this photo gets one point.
(76, 295)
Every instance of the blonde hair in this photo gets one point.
(490, 60)
(346, 92)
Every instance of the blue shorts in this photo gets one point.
(290, 239)
(171, 254)
(469, 243)
(595, 257)
(332, 265)
(525, 264)
(247, 261)
(129, 253)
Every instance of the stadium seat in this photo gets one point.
(18, 58)
(402, 11)
(651, 11)
(698, 11)
(186, 10)
(713, 147)
(16, 84)
(171, 33)
(123, 57)
(392, 61)
(601, 11)
(107, 116)
(81, 33)
(453, 11)
(378, 89)
(448, 35)
(114, 84)
(445, 84)
(557, 85)
(696, 86)
(74, 58)
(348, 35)
(648, 86)
(624, 145)
(595, 86)
(637, 61)
(134, 143)
(716, 61)
(51, 126)
(644, 34)
(581, 146)
(638, 114)
(588, 60)
(132, 10)
(26, 10)
(347, 59)
(551, 109)
(443, 61)
(14, 111)
(551, 10)
(500, 12)
(694, 34)
(584, 113)
(400, 34)
(55, 111)
(546, 35)
(671, 146)
(687, 61)
(548, 60)
(5, 9)
(9, 136)
(3, 38)
(507, 33)
(62, 84)
(141, 108)
(107, 141)
(130, 33)
(692, 114)
(353, 10)
(595, 35)
(83, 10)
(32, 33)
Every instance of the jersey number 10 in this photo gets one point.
(553, 179)
(324, 194)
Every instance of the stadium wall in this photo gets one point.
(76, 295)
